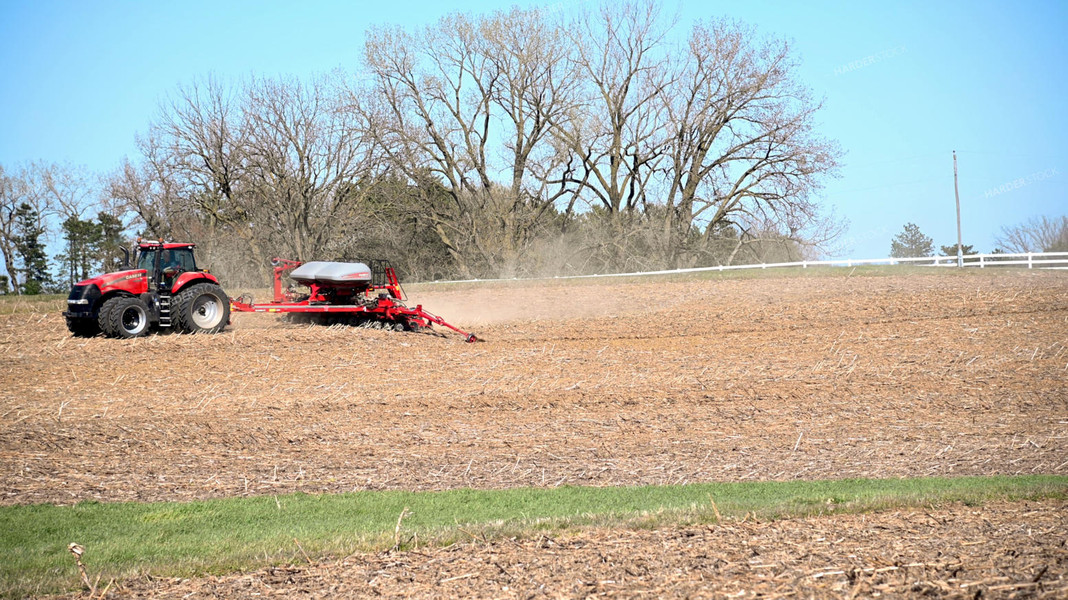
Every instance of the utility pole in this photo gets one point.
(956, 192)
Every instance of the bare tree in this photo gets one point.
(309, 165)
(497, 135)
(272, 167)
(449, 95)
(71, 192)
(188, 181)
(12, 195)
(434, 117)
(147, 191)
(537, 86)
(616, 134)
(741, 146)
(203, 135)
(1041, 234)
(68, 190)
(25, 187)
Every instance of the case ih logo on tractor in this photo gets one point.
(167, 291)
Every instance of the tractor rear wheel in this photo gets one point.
(123, 317)
(82, 327)
(201, 308)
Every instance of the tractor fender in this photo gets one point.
(184, 280)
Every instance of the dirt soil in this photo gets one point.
(1002, 551)
(606, 382)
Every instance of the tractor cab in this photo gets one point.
(167, 260)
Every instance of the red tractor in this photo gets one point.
(165, 291)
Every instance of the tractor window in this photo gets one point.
(147, 260)
(181, 258)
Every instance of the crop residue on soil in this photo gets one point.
(599, 383)
(672, 383)
(1002, 551)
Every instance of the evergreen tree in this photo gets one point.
(109, 244)
(82, 237)
(91, 246)
(911, 243)
(31, 250)
(951, 250)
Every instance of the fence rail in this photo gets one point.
(1032, 260)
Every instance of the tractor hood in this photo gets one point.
(111, 279)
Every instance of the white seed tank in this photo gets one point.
(331, 273)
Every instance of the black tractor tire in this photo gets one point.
(201, 308)
(83, 327)
(124, 317)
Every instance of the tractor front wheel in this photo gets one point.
(201, 308)
(123, 317)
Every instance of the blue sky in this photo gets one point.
(904, 84)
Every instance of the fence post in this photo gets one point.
(981, 261)
(1029, 260)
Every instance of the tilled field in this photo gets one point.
(589, 383)
(609, 382)
(1004, 551)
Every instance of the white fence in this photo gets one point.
(1032, 260)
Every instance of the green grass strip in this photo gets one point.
(225, 535)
